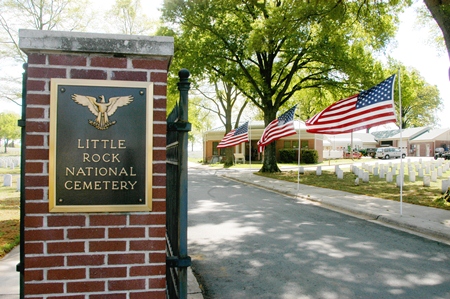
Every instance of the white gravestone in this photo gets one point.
(389, 177)
(412, 176)
(7, 180)
(319, 170)
(434, 176)
(445, 185)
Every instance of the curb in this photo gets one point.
(371, 216)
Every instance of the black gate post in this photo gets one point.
(183, 87)
(178, 129)
(21, 123)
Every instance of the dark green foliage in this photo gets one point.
(363, 151)
(309, 156)
(288, 156)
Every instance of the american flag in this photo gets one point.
(235, 137)
(372, 107)
(281, 127)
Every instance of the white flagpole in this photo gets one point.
(401, 144)
(250, 144)
(298, 158)
(351, 145)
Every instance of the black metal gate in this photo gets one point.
(176, 176)
(21, 123)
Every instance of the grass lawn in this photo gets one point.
(414, 193)
(9, 213)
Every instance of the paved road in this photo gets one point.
(250, 243)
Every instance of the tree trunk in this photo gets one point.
(228, 157)
(270, 159)
(440, 10)
(270, 153)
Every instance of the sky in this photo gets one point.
(412, 50)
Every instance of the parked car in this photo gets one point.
(440, 152)
(371, 152)
(389, 152)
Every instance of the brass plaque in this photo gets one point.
(101, 135)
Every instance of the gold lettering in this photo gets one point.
(81, 172)
(132, 184)
(99, 185)
(87, 185)
(66, 185)
(79, 144)
(105, 159)
(77, 185)
(113, 171)
(103, 171)
(107, 143)
(100, 171)
(89, 170)
(115, 185)
(115, 158)
(68, 171)
(123, 185)
(94, 141)
(106, 184)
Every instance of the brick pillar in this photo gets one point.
(92, 255)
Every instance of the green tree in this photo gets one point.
(219, 97)
(127, 17)
(226, 102)
(199, 118)
(440, 10)
(33, 14)
(9, 130)
(271, 49)
(40, 15)
(425, 19)
(420, 100)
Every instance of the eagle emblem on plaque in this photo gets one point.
(102, 109)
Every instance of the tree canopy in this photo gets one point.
(440, 10)
(419, 100)
(41, 15)
(33, 14)
(9, 130)
(274, 48)
(127, 17)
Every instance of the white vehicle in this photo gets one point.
(389, 152)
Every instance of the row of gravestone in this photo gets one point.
(8, 181)
(428, 171)
(10, 162)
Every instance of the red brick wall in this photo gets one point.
(91, 255)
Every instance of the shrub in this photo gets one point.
(288, 156)
(309, 156)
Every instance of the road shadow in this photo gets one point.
(249, 243)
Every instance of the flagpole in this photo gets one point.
(351, 145)
(298, 158)
(401, 143)
(250, 144)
